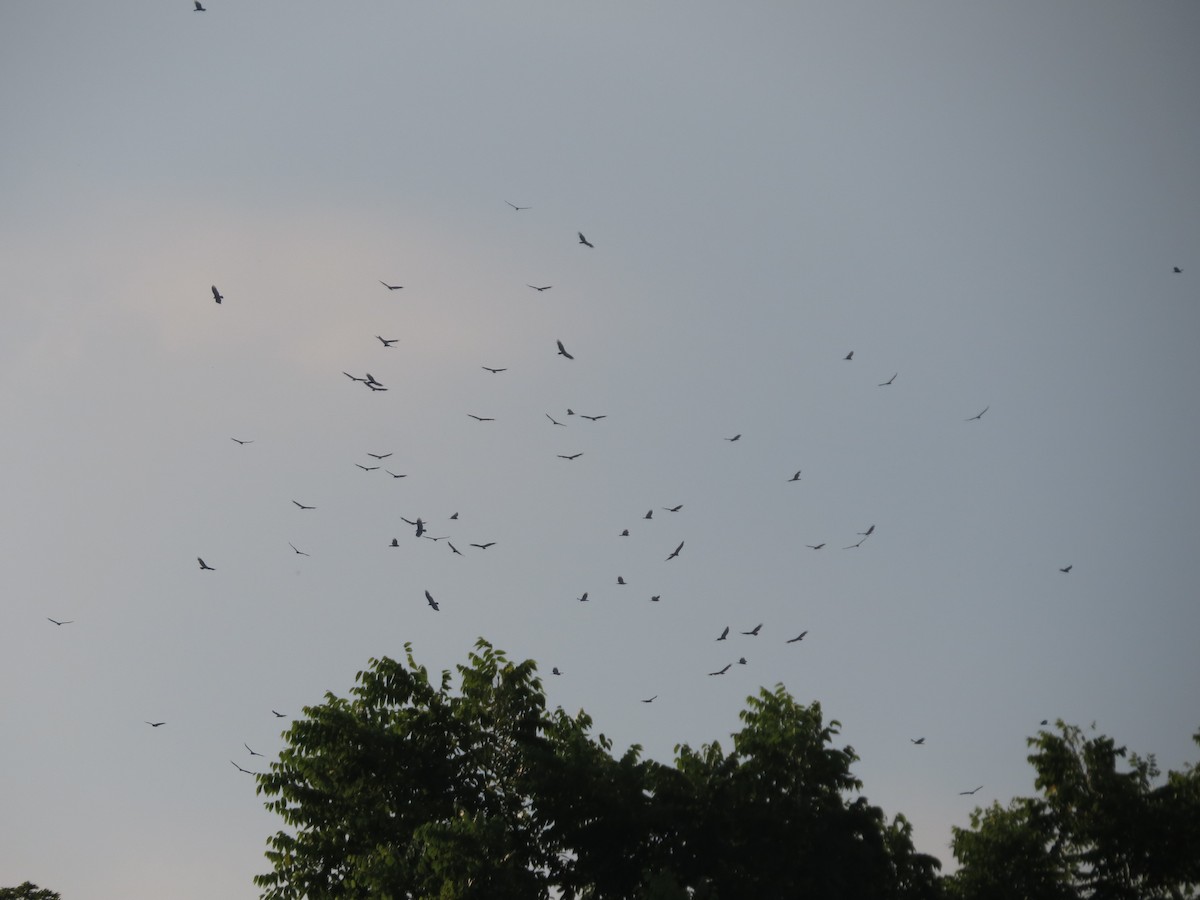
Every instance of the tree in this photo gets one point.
(1099, 830)
(28, 891)
(411, 789)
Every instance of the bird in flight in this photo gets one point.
(241, 442)
(554, 420)
(918, 741)
(216, 294)
(796, 477)
(392, 287)
(1067, 569)
(722, 671)
(753, 632)
(278, 715)
(432, 602)
(583, 599)
(741, 660)
(584, 240)
(572, 456)
(562, 351)
(539, 289)
(724, 634)
(481, 418)
(366, 468)
(797, 638)
(1177, 270)
(518, 208)
(652, 699)
(395, 542)
(205, 566)
(814, 546)
(493, 371)
(483, 546)
(849, 355)
(154, 724)
(673, 508)
(854, 546)
(57, 622)
(980, 416)
(624, 533)
(593, 418)
(252, 752)
(198, 8)
(353, 377)
(379, 455)
(736, 437)
(620, 579)
(889, 381)
(240, 769)
(453, 548)
(870, 531)
(302, 506)
(555, 671)
(656, 598)
(675, 552)
(969, 793)
(298, 552)
(386, 342)
(394, 475)
(420, 526)
(649, 514)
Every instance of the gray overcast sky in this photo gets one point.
(987, 199)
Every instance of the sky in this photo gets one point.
(985, 203)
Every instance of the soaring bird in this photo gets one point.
(216, 294)
(395, 542)
(655, 697)
(849, 355)
(366, 468)
(481, 418)
(432, 602)
(620, 579)
(673, 508)
(583, 599)
(854, 546)
(736, 437)
(870, 531)
(797, 638)
(376, 386)
(741, 660)
(493, 371)
(278, 715)
(418, 524)
(815, 546)
(918, 741)
(1177, 270)
(649, 514)
(592, 418)
(562, 351)
(379, 455)
(386, 342)
(753, 632)
(518, 208)
(655, 598)
(536, 288)
(64, 622)
(889, 381)
(453, 549)
(724, 634)
(980, 416)
(555, 671)
(675, 552)
(241, 442)
(483, 546)
(572, 456)
(371, 380)
(722, 671)
(392, 287)
(969, 793)
(200, 8)
(625, 533)
(554, 420)
(154, 724)
(298, 552)
(240, 769)
(1067, 569)
(302, 506)
(353, 377)
(205, 566)
(252, 752)
(394, 475)
(796, 477)
(584, 240)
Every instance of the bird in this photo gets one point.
(753, 632)
(1067, 569)
(620, 580)
(572, 456)
(518, 208)
(649, 514)
(796, 477)
(624, 533)
(386, 342)
(483, 546)
(675, 552)
(797, 638)
(64, 622)
(741, 660)
(394, 475)
(216, 294)
(968, 793)
(849, 355)
(481, 418)
(815, 546)
(205, 566)
(298, 552)
(395, 542)
(854, 546)
(453, 548)
(593, 418)
(278, 715)
(673, 508)
(722, 671)
(199, 8)
(554, 420)
(240, 769)
(980, 416)
(432, 602)
(889, 381)
(376, 386)
(562, 351)
(655, 598)
(154, 724)
(252, 752)
(555, 671)
(736, 437)
(371, 380)
(870, 531)
(353, 377)
(1177, 270)
(454, 516)
(430, 537)
(392, 287)
(241, 442)
(918, 741)
(493, 371)
(724, 634)
(302, 506)
(420, 526)
(379, 455)
(585, 241)
(539, 289)
(583, 599)
(652, 699)
(570, 412)
(366, 468)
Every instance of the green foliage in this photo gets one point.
(28, 891)
(411, 789)
(1100, 830)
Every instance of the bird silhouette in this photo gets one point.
(394, 475)
(432, 602)
(741, 660)
(240, 769)
(570, 412)
(624, 533)
(64, 622)
(562, 351)
(753, 632)
(518, 208)
(814, 546)
(554, 420)
(620, 580)
(555, 671)
(1177, 270)
(736, 437)
(372, 381)
(353, 377)
(454, 516)
(379, 455)
(392, 287)
(298, 552)
(797, 638)
(483, 546)
(302, 506)
(849, 355)
(1067, 569)
(918, 741)
(154, 724)
(198, 8)
(571, 456)
(583, 599)
(593, 418)
(241, 442)
(278, 715)
(584, 240)
(418, 524)
(673, 508)
(652, 699)
(386, 341)
(724, 634)
(728, 666)
(969, 793)
(539, 289)
(796, 477)
(675, 552)
(252, 752)
(655, 598)
(395, 542)
(216, 294)
(366, 468)
(205, 567)
(870, 531)
(889, 381)
(980, 416)
(453, 548)
(649, 514)
(493, 371)
(481, 418)
(855, 546)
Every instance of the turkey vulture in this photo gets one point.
(585, 241)
(216, 294)
(562, 351)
